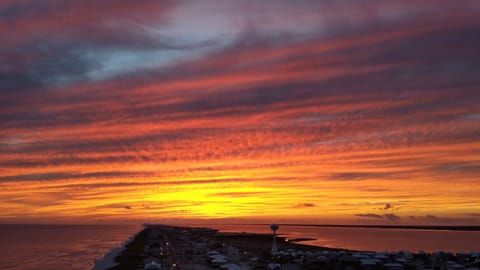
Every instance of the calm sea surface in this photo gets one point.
(53, 247)
(372, 238)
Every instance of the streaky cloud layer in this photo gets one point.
(323, 111)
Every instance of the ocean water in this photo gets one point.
(53, 247)
(372, 239)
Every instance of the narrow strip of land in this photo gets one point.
(406, 227)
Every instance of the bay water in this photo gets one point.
(53, 247)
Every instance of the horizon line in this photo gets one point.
(390, 226)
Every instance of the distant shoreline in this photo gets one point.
(406, 227)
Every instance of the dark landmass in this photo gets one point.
(296, 240)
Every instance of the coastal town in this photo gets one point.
(184, 248)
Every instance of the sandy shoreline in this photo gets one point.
(132, 254)
(108, 259)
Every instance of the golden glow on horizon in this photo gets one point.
(297, 191)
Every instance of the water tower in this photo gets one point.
(274, 228)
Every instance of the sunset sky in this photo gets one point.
(346, 112)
